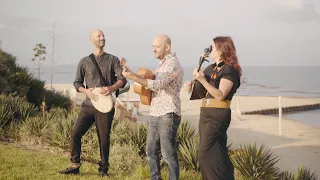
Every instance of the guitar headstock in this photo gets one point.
(123, 63)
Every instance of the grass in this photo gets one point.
(18, 163)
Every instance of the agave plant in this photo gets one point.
(36, 126)
(120, 132)
(21, 107)
(59, 131)
(306, 174)
(255, 163)
(286, 175)
(185, 132)
(6, 114)
(139, 138)
(188, 151)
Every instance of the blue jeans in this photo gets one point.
(162, 133)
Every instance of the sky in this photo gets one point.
(265, 33)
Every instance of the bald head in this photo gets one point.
(97, 38)
(164, 39)
(161, 46)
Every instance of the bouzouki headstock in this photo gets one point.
(205, 54)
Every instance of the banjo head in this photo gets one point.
(104, 103)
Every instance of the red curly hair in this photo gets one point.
(228, 52)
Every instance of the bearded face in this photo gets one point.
(98, 39)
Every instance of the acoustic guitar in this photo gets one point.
(104, 103)
(145, 94)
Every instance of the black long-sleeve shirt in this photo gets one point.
(87, 72)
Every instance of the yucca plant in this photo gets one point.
(36, 126)
(120, 132)
(306, 174)
(185, 132)
(23, 109)
(59, 131)
(286, 175)
(20, 107)
(6, 114)
(188, 151)
(255, 163)
(139, 138)
(90, 145)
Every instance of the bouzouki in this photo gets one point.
(105, 103)
(194, 91)
(145, 94)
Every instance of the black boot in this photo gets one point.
(102, 170)
(70, 170)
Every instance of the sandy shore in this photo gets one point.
(299, 144)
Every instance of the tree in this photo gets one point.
(40, 52)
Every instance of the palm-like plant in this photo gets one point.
(188, 151)
(255, 163)
(59, 131)
(185, 132)
(306, 174)
(139, 138)
(286, 175)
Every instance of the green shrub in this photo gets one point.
(306, 174)
(124, 158)
(286, 175)
(13, 110)
(90, 145)
(255, 163)
(6, 114)
(33, 129)
(36, 91)
(19, 106)
(138, 138)
(17, 81)
(57, 100)
(185, 132)
(59, 131)
(188, 153)
(120, 132)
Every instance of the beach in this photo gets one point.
(298, 144)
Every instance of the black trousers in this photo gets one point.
(214, 160)
(88, 115)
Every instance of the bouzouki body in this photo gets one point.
(145, 94)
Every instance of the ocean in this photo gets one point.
(294, 81)
(256, 81)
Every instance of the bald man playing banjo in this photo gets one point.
(102, 70)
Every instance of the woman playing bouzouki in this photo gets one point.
(216, 85)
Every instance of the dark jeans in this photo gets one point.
(162, 133)
(88, 115)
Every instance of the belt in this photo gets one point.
(211, 102)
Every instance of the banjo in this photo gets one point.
(105, 103)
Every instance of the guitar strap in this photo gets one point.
(214, 74)
(102, 79)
